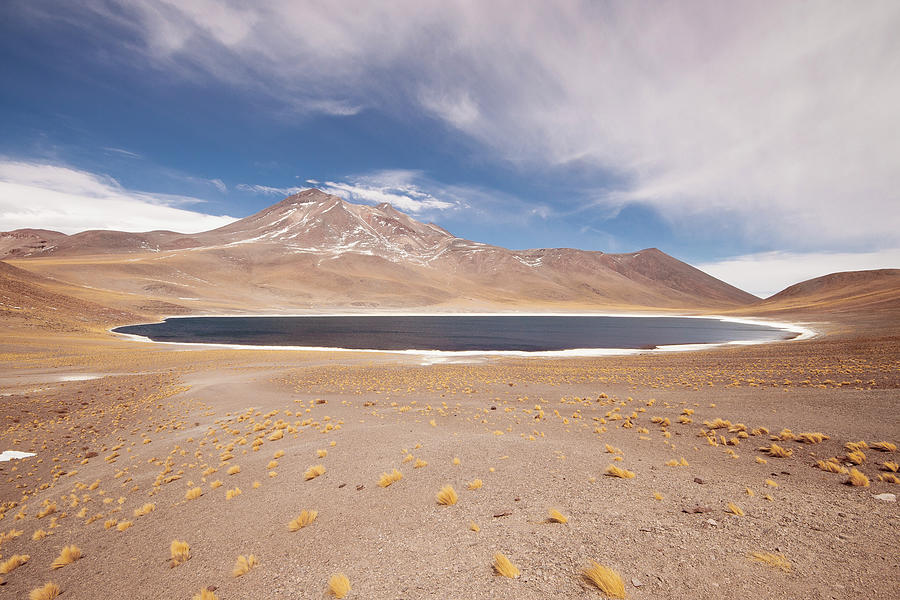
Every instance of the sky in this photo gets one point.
(757, 140)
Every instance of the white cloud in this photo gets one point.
(269, 190)
(396, 187)
(778, 116)
(60, 198)
(768, 273)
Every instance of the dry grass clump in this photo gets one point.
(811, 438)
(884, 447)
(123, 525)
(557, 517)
(144, 510)
(854, 446)
(387, 479)
(39, 534)
(614, 471)
(420, 463)
(734, 509)
(110, 523)
(180, 552)
(49, 508)
(48, 591)
(313, 472)
(193, 493)
(889, 478)
(321, 453)
(777, 561)
(476, 484)
(229, 494)
(612, 449)
(503, 566)
(716, 423)
(339, 585)
(205, 594)
(13, 562)
(68, 555)
(857, 457)
(473, 526)
(777, 451)
(447, 496)
(831, 465)
(234, 469)
(243, 565)
(857, 479)
(607, 581)
(890, 466)
(306, 518)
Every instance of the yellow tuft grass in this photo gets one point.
(476, 484)
(123, 525)
(110, 523)
(12, 563)
(890, 466)
(205, 594)
(750, 492)
(777, 561)
(734, 509)
(243, 565)
(278, 454)
(889, 478)
(216, 484)
(857, 457)
(232, 493)
(607, 581)
(771, 483)
(313, 472)
(830, 465)
(420, 463)
(339, 585)
(272, 464)
(447, 496)
(48, 591)
(456, 460)
(612, 449)
(614, 471)
(777, 451)
(180, 552)
(322, 453)
(884, 447)
(144, 510)
(193, 493)
(503, 566)
(68, 555)
(657, 496)
(854, 446)
(234, 469)
(857, 479)
(276, 435)
(557, 517)
(387, 479)
(811, 438)
(306, 518)
(39, 534)
(761, 460)
(473, 526)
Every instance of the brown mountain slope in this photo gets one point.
(29, 300)
(313, 251)
(876, 290)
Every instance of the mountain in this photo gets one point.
(873, 291)
(313, 250)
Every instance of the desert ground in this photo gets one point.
(139, 445)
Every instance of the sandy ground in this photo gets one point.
(116, 425)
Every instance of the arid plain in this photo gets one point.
(743, 462)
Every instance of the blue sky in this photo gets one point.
(759, 140)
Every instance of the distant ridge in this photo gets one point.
(873, 290)
(314, 250)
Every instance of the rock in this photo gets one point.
(698, 480)
(712, 522)
(886, 497)
(636, 582)
(697, 510)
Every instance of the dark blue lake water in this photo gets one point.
(455, 332)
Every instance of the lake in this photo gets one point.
(456, 333)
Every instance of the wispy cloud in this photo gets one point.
(61, 198)
(398, 188)
(768, 273)
(267, 190)
(779, 117)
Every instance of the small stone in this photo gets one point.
(712, 522)
(636, 582)
(886, 497)
(698, 480)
